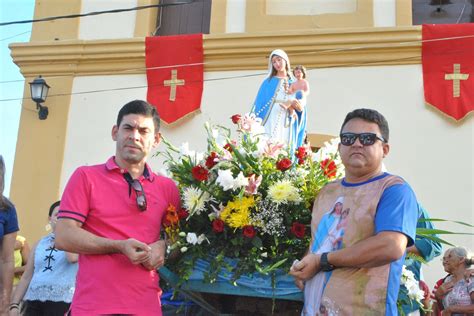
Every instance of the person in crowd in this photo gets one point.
(274, 103)
(48, 283)
(8, 231)
(455, 292)
(425, 248)
(111, 215)
(21, 254)
(363, 277)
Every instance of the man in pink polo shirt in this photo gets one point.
(111, 215)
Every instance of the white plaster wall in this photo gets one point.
(92, 116)
(434, 154)
(385, 13)
(105, 26)
(235, 13)
(309, 7)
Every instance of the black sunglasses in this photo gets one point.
(141, 198)
(366, 139)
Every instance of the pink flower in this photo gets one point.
(272, 150)
(250, 123)
(253, 185)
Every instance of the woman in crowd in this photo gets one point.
(8, 231)
(21, 254)
(48, 283)
(455, 295)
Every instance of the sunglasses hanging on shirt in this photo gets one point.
(139, 192)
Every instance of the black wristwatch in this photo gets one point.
(324, 263)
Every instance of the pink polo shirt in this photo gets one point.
(98, 197)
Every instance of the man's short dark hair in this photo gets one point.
(53, 206)
(140, 107)
(369, 115)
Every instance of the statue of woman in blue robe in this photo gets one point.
(283, 117)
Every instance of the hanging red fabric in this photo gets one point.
(175, 73)
(448, 68)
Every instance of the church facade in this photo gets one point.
(359, 53)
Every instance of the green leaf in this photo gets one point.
(434, 231)
(416, 257)
(257, 242)
(436, 239)
(444, 220)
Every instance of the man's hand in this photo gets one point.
(135, 250)
(157, 256)
(299, 284)
(14, 312)
(307, 267)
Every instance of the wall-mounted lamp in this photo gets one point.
(39, 92)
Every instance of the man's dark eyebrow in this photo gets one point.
(126, 125)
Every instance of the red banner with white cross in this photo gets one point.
(175, 71)
(448, 68)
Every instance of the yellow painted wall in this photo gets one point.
(40, 145)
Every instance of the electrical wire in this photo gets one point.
(73, 16)
(208, 80)
(462, 12)
(319, 52)
(7, 38)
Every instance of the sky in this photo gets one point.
(11, 10)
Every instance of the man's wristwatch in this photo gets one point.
(324, 263)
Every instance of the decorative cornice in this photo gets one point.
(312, 48)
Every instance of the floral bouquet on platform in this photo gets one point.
(245, 198)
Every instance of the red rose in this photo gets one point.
(301, 153)
(236, 118)
(200, 173)
(228, 147)
(248, 231)
(283, 164)
(300, 161)
(182, 213)
(298, 230)
(329, 167)
(218, 226)
(210, 161)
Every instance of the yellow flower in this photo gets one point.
(237, 213)
(283, 192)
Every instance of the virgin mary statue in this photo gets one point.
(273, 104)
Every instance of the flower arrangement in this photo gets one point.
(245, 198)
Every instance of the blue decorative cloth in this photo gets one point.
(284, 283)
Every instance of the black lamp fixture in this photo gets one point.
(39, 92)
